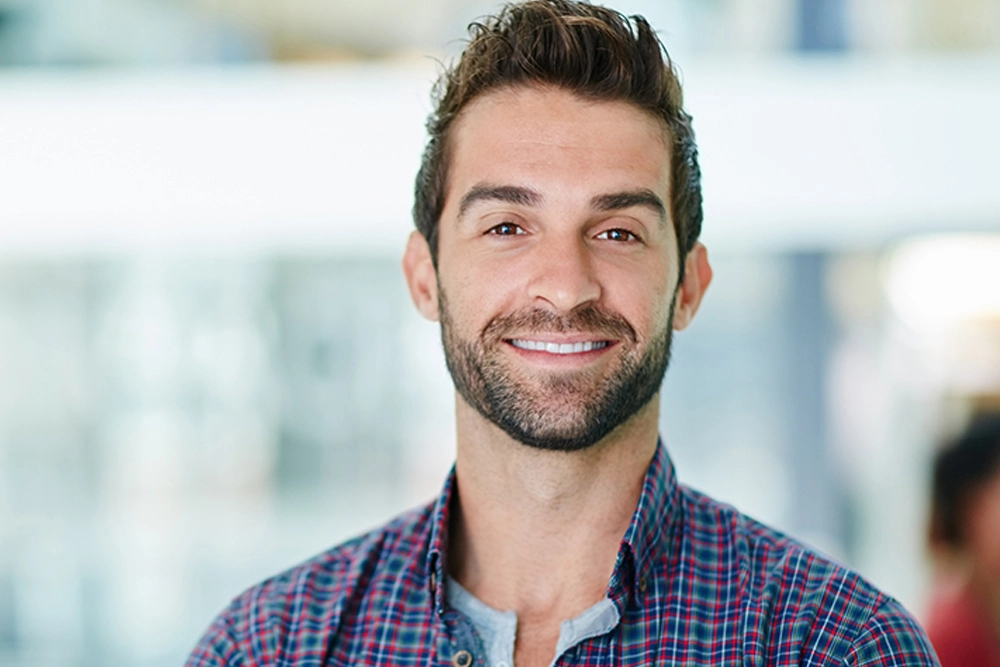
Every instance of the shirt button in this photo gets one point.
(642, 584)
(462, 659)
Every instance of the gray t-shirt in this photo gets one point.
(498, 629)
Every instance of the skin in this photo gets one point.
(537, 531)
(982, 537)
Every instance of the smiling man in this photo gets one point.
(558, 209)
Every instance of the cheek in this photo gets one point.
(474, 294)
(646, 309)
(651, 295)
(984, 529)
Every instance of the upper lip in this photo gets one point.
(550, 338)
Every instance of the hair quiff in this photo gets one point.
(594, 52)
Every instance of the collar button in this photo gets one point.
(462, 659)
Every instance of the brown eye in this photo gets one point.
(619, 235)
(506, 229)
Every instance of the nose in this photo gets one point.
(563, 274)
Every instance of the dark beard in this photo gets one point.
(603, 403)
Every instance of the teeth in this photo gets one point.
(557, 348)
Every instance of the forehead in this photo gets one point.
(548, 133)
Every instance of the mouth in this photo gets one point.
(552, 347)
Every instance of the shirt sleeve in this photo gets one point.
(891, 638)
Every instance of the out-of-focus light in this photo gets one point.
(939, 283)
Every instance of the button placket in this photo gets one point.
(456, 645)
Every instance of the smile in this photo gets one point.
(558, 348)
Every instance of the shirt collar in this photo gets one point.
(653, 519)
(648, 532)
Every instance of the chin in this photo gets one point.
(561, 433)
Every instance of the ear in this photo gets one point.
(421, 277)
(697, 276)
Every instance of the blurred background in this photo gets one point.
(210, 369)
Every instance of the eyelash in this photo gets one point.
(517, 231)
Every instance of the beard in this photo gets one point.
(566, 411)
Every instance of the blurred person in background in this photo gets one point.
(558, 210)
(964, 618)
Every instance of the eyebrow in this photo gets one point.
(522, 196)
(511, 194)
(621, 200)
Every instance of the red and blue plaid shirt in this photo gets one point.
(695, 583)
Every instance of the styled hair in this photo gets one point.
(960, 470)
(593, 52)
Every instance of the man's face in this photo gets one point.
(557, 264)
(982, 528)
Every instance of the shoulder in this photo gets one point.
(293, 615)
(797, 601)
(891, 636)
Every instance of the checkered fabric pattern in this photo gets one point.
(696, 582)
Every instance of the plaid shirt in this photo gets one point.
(695, 582)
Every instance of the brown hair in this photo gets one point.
(961, 469)
(594, 52)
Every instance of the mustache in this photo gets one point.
(588, 318)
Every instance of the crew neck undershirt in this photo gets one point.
(497, 629)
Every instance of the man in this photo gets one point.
(558, 209)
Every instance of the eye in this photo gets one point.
(506, 229)
(620, 235)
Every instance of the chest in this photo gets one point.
(643, 636)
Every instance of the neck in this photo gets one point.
(537, 531)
